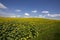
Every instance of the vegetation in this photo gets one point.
(29, 29)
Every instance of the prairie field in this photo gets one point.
(29, 29)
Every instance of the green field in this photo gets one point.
(29, 29)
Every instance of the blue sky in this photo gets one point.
(30, 8)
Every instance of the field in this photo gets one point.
(29, 29)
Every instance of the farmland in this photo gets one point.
(29, 29)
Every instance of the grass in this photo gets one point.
(29, 29)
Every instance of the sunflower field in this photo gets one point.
(29, 29)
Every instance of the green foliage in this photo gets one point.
(29, 29)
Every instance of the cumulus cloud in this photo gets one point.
(2, 6)
(26, 14)
(53, 15)
(34, 11)
(45, 12)
(18, 10)
(5, 14)
(14, 16)
(42, 16)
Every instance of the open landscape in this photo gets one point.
(29, 19)
(29, 29)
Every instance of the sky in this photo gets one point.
(30, 8)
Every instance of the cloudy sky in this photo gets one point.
(30, 8)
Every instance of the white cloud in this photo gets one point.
(18, 10)
(53, 15)
(41, 16)
(18, 15)
(5, 14)
(34, 11)
(8, 14)
(2, 6)
(14, 16)
(26, 14)
(45, 11)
